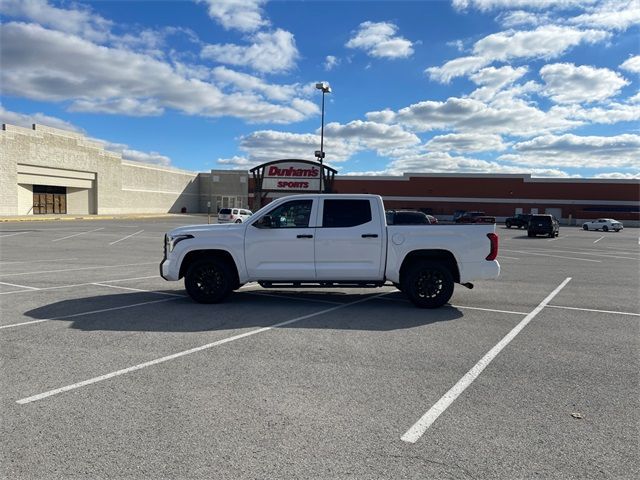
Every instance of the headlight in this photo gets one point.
(171, 242)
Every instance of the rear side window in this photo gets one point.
(225, 211)
(345, 213)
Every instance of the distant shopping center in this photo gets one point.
(50, 171)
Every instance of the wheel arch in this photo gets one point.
(443, 256)
(196, 255)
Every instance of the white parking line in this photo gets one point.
(77, 234)
(5, 262)
(19, 286)
(493, 310)
(592, 254)
(598, 240)
(128, 236)
(593, 310)
(79, 284)
(509, 258)
(554, 256)
(139, 290)
(417, 430)
(65, 317)
(140, 366)
(291, 297)
(12, 234)
(76, 269)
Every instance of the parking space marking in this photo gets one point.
(291, 297)
(600, 254)
(19, 286)
(492, 310)
(417, 430)
(77, 234)
(76, 269)
(509, 258)
(65, 317)
(57, 287)
(549, 255)
(150, 363)
(12, 234)
(128, 236)
(139, 290)
(4, 262)
(594, 310)
(599, 239)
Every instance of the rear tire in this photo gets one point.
(238, 221)
(428, 284)
(208, 280)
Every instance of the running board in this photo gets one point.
(323, 284)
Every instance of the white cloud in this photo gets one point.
(245, 82)
(47, 65)
(331, 62)
(610, 114)
(466, 142)
(441, 162)
(632, 64)
(266, 145)
(237, 163)
(611, 15)
(568, 150)
(494, 79)
(619, 175)
(521, 17)
(127, 153)
(486, 5)
(470, 115)
(547, 42)
(81, 22)
(118, 106)
(380, 40)
(372, 136)
(243, 15)
(566, 83)
(27, 120)
(269, 52)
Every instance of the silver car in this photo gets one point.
(604, 224)
(233, 215)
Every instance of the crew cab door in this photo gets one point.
(349, 241)
(283, 250)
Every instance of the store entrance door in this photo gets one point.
(49, 200)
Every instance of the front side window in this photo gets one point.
(293, 214)
(345, 213)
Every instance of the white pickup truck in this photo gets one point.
(329, 240)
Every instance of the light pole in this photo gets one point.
(324, 86)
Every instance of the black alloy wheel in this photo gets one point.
(428, 284)
(208, 280)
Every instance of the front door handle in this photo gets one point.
(369, 235)
(305, 236)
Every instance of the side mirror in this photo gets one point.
(264, 222)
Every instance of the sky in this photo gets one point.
(544, 87)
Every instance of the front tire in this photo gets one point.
(208, 280)
(428, 284)
(605, 228)
(238, 221)
(508, 224)
(585, 227)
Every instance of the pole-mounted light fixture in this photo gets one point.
(324, 86)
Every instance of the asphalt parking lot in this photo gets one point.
(108, 371)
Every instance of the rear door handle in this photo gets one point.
(369, 235)
(305, 236)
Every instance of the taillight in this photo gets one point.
(493, 238)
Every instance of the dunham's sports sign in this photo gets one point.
(291, 176)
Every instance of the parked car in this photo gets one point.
(432, 220)
(408, 217)
(344, 241)
(233, 215)
(604, 224)
(475, 217)
(520, 220)
(544, 224)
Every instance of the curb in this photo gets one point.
(39, 218)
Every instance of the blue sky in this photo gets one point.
(546, 87)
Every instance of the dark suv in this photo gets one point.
(543, 224)
(406, 217)
(520, 220)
